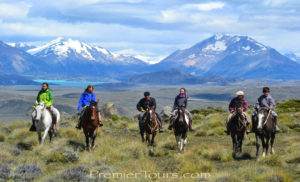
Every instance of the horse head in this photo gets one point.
(38, 110)
(93, 109)
(263, 114)
(181, 114)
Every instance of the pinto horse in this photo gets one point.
(150, 126)
(181, 127)
(237, 128)
(265, 130)
(89, 122)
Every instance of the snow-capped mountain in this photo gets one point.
(22, 46)
(293, 57)
(61, 49)
(232, 56)
(17, 61)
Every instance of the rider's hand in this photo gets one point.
(142, 110)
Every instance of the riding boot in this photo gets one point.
(32, 128)
(191, 125)
(160, 126)
(253, 124)
(227, 130)
(171, 123)
(78, 126)
(276, 126)
(248, 128)
(99, 120)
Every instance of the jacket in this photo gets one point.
(85, 99)
(143, 103)
(236, 103)
(46, 97)
(264, 101)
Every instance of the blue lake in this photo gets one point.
(66, 83)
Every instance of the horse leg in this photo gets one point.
(267, 144)
(272, 142)
(181, 143)
(257, 146)
(241, 143)
(45, 135)
(178, 142)
(87, 141)
(93, 140)
(40, 137)
(234, 141)
(142, 135)
(153, 137)
(50, 135)
(264, 146)
(148, 138)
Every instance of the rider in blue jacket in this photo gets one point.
(84, 101)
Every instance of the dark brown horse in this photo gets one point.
(149, 125)
(264, 125)
(181, 127)
(89, 122)
(237, 128)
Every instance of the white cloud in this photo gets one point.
(19, 10)
(274, 3)
(204, 6)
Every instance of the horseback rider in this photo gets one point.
(142, 107)
(86, 97)
(180, 100)
(45, 95)
(236, 103)
(266, 101)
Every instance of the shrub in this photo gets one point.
(76, 174)
(27, 172)
(289, 106)
(115, 117)
(62, 155)
(2, 138)
(272, 160)
(4, 173)
(201, 133)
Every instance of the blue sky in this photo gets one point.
(151, 28)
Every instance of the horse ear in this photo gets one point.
(98, 101)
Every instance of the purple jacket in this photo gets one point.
(235, 103)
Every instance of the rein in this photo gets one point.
(267, 117)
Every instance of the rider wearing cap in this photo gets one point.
(238, 102)
(142, 107)
(266, 101)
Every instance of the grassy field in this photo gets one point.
(119, 150)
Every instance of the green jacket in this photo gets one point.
(46, 97)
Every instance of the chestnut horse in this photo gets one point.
(150, 126)
(89, 122)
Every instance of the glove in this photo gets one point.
(142, 110)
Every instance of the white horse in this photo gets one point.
(43, 120)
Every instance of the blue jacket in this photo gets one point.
(85, 99)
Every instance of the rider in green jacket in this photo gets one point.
(45, 95)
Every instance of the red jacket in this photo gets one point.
(236, 103)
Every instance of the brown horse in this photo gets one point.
(237, 128)
(150, 126)
(89, 123)
(265, 130)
